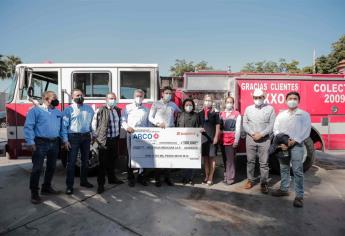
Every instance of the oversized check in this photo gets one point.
(166, 148)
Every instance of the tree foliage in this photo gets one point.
(8, 66)
(328, 64)
(282, 66)
(181, 66)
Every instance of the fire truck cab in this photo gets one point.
(95, 80)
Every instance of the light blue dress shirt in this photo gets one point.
(43, 122)
(76, 119)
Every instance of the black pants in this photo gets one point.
(44, 148)
(107, 157)
(160, 172)
(78, 141)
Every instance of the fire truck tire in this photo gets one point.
(308, 158)
(93, 164)
(274, 165)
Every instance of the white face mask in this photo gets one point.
(208, 104)
(229, 106)
(188, 108)
(292, 103)
(138, 100)
(258, 102)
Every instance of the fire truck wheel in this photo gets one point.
(93, 164)
(309, 154)
(274, 165)
(308, 158)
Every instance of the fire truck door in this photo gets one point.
(336, 132)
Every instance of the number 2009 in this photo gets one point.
(334, 98)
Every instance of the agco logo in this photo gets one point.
(145, 136)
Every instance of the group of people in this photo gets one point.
(79, 127)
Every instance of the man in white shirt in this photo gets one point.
(295, 123)
(134, 115)
(162, 114)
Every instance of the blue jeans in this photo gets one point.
(44, 148)
(78, 142)
(297, 153)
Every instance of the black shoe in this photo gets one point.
(35, 198)
(115, 181)
(131, 183)
(298, 202)
(191, 182)
(100, 189)
(69, 191)
(279, 193)
(49, 191)
(142, 181)
(264, 188)
(168, 182)
(86, 185)
(158, 183)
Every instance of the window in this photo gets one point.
(41, 82)
(93, 84)
(132, 80)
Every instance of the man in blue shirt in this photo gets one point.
(76, 133)
(42, 132)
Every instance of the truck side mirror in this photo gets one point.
(30, 91)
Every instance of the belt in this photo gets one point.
(79, 134)
(47, 139)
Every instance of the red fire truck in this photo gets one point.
(323, 96)
(96, 80)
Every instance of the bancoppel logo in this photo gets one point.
(145, 136)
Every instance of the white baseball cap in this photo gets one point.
(258, 93)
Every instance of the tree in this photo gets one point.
(3, 68)
(249, 67)
(8, 66)
(11, 62)
(272, 67)
(203, 66)
(182, 66)
(328, 64)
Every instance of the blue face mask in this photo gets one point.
(111, 103)
(167, 97)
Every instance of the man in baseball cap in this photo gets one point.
(258, 123)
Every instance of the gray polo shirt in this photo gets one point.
(259, 119)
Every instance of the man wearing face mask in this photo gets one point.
(162, 114)
(295, 123)
(258, 123)
(134, 115)
(76, 129)
(42, 131)
(106, 131)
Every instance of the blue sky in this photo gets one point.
(220, 32)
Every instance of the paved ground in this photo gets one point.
(180, 210)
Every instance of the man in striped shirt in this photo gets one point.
(106, 132)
